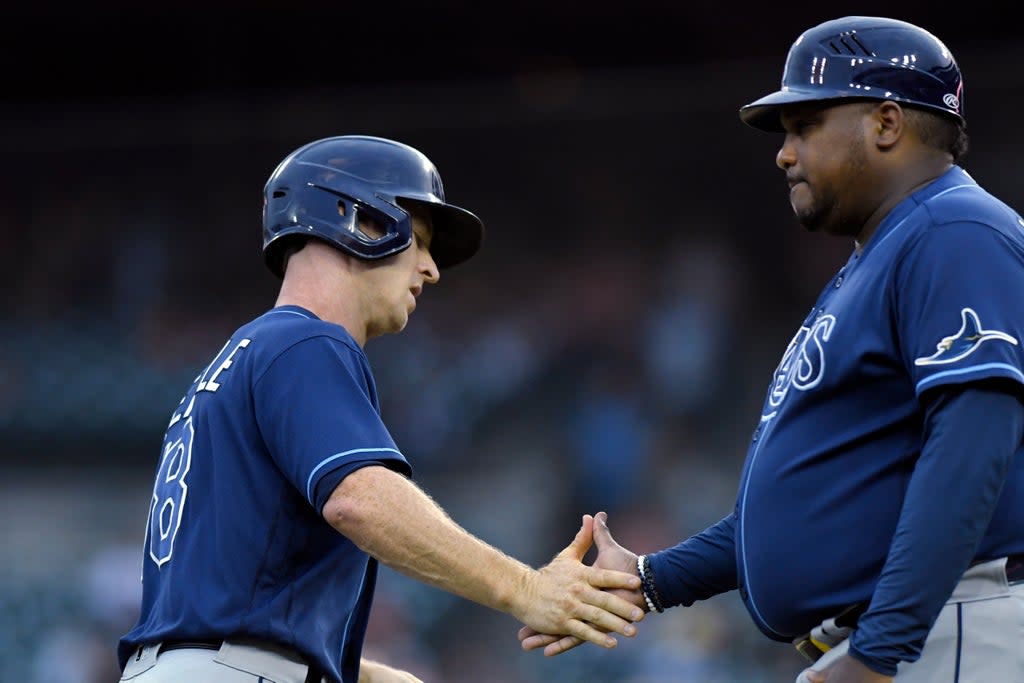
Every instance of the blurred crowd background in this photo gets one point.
(608, 348)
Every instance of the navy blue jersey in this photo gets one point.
(236, 545)
(935, 298)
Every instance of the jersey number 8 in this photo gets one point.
(170, 491)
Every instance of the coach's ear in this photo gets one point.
(888, 124)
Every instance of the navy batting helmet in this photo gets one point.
(321, 188)
(864, 58)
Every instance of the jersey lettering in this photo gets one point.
(171, 486)
(803, 364)
(169, 493)
(209, 384)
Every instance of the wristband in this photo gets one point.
(651, 597)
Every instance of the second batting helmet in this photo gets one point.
(864, 58)
(321, 189)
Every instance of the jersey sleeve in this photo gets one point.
(699, 567)
(315, 408)
(971, 436)
(960, 308)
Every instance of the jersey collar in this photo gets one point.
(294, 310)
(951, 179)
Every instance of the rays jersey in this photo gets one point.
(935, 298)
(236, 545)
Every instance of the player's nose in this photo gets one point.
(429, 268)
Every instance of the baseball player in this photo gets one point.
(877, 524)
(278, 488)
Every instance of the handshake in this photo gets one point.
(610, 600)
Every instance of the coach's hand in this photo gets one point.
(610, 555)
(567, 597)
(845, 669)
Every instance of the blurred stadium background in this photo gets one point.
(607, 349)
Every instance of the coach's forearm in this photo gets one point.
(395, 521)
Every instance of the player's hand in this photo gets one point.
(845, 669)
(610, 555)
(566, 597)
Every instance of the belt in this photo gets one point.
(833, 631)
(313, 674)
(190, 645)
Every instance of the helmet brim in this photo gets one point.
(764, 113)
(458, 233)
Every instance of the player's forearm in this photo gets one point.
(393, 520)
(375, 672)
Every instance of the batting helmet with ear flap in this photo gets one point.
(872, 58)
(322, 189)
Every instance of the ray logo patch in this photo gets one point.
(965, 342)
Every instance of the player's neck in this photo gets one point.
(317, 278)
(333, 309)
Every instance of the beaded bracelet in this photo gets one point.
(643, 566)
(650, 587)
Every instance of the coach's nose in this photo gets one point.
(786, 156)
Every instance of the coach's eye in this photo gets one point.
(800, 126)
